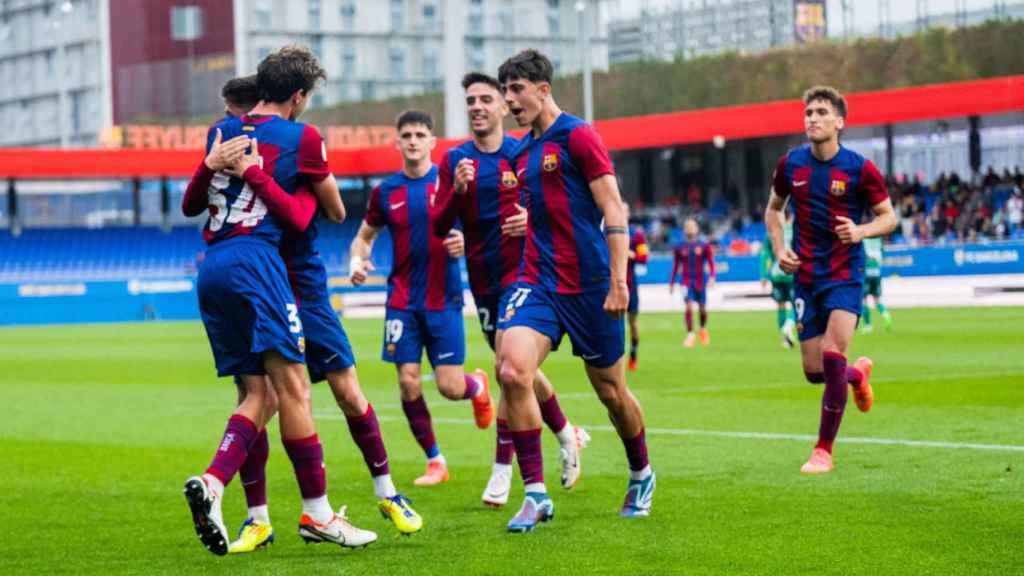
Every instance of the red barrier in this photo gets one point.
(974, 98)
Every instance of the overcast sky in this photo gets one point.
(865, 11)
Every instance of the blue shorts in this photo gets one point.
(247, 306)
(815, 304)
(596, 337)
(698, 296)
(634, 300)
(408, 332)
(488, 308)
(327, 345)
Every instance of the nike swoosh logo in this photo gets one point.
(445, 355)
(332, 357)
(504, 442)
(380, 464)
(397, 206)
(497, 494)
(519, 173)
(799, 183)
(585, 357)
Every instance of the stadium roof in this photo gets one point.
(932, 102)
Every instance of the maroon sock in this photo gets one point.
(703, 317)
(365, 431)
(815, 377)
(636, 451)
(529, 454)
(551, 412)
(253, 472)
(689, 319)
(505, 447)
(234, 447)
(473, 385)
(833, 401)
(419, 422)
(854, 376)
(307, 456)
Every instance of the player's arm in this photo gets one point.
(589, 153)
(775, 219)
(641, 252)
(447, 204)
(295, 211)
(677, 263)
(311, 162)
(873, 188)
(709, 254)
(606, 194)
(220, 155)
(359, 264)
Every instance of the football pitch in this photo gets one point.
(105, 422)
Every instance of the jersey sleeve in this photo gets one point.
(311, 159)
(446, 205)
(872, 185)
(779, 181)
(197, 194)
(375, 214)
(677, 263)
(589, 153)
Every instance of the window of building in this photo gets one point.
(75, 108)
(316, 44)
(313, 11)
(397, 59)
(264, 14)
(554, 18)
(429, 16)
(475, 54)
(397, 15)
(348, 62)
(475, 25)
(186, 23)
(506, 20)
(430, 69)
(348, 15)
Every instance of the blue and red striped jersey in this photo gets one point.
(638, 246)
(847, 185)
(565, 249)
(423, 276)
(290, 152)
(694, 263)
(492, 258)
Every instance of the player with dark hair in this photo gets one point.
(247, 307)
(695, 264)
(240, 95)
(424, 301)
(638, 253)
(832, 189)
(479, 187)
(572, 280)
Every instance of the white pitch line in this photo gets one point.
(746, 435)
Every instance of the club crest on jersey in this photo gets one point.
(391, 349)
(508, 179)
(550, 162)
(838, 188)
(302, 344)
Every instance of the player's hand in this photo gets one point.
(710, 284)
(245, 161)
(465, 172)
(455, 244)
(617, 301)
(359, 270)
(222, 154)
(848, 232)
(789, 261)
(515, 226)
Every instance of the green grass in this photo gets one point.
(103, 424)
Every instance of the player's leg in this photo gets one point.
(256, 532)
(446, 350)
(867, 327)
(691, 337)
(414, 405)
(882, 310)
(705, 337)
(634, 339)
(318, 523)
(522, 351)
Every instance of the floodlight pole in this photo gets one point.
(456, 124)
(588, 69)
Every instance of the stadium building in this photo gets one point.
(71, 70)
